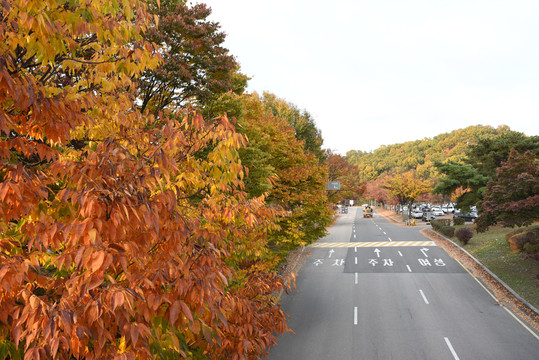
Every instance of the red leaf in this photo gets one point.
(186, 311)
(174, 310)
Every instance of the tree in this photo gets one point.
(347, 174)
(405, 188)
(121, 232)
(512, 198)
(304, 125)
(375, 190)
(196, 67)
(291, 177)
(479, 167)
(464, 177)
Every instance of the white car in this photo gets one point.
(436, 211)
(448, 209)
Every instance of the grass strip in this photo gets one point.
(494, 252)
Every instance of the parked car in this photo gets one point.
(467, 216)
(417, 214)
(448, 208)
(436, 211)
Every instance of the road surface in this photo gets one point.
(375, 290)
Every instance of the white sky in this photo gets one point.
(381, 72)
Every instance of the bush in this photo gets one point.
(458, 221)
(464, 235)
(447, 231)
(438, 223)
(525, 239)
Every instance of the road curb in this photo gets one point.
(292, 266)
(500, 281)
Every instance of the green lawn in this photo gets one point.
(491, 249)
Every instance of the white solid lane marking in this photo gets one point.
(424, 297)
(410, 270)
(455, 356)
(355, 315)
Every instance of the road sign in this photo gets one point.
(334, 185)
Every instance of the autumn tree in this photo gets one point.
(376, 190)
(303, 123)
(292, 177)
(407, 187)
(512, 198)
(196, 68)
(119, 240)
(347, 174)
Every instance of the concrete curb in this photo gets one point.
(527, 304)
(293, 265)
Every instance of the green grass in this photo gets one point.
(491, 249)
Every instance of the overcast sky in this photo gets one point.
(381, 72)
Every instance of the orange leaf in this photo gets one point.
(117, 300)
(34, 302)
(99, 257)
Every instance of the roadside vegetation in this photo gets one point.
(147, 200)
(514, 267)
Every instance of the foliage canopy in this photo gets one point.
(122, 233)
(513, 197)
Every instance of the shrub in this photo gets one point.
(525, 239)
(447, 231)
(464, 235)
(458, 221)
(438, 223)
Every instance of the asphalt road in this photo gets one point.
(374, 290)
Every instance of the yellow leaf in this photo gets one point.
(92, 234)
(121, 346)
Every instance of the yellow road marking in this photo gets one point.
(373, 244)
(479, 282)
(495, 299)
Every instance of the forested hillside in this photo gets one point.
(420, 155)
(467, 166)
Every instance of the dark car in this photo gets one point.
(467, 216)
